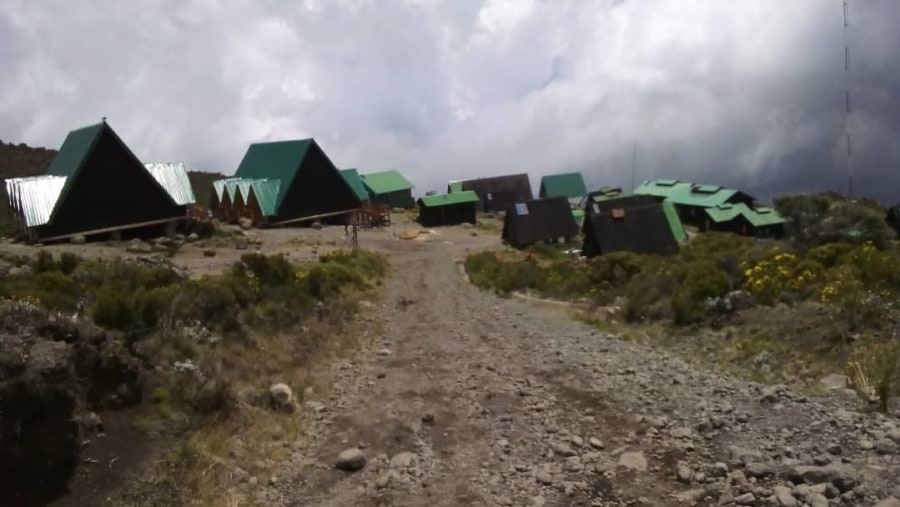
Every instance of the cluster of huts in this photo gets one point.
(96, 185)
(651, 219)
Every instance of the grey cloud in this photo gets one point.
(743, 93)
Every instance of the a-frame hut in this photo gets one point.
(538, 220)
(310, 187)
(96, 185)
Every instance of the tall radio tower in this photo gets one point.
(848, 108)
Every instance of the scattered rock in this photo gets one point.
(888, 502)
(885, 446)
(350, 460)
(209, 253)
(245, 223)
(402, 460)
(281, 398)
(684, 473)
(596, 443)
(785, 496)
(633, 461)
(745, 499)
(78, 239)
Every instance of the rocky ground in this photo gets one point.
(469, 399)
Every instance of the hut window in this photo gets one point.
(521, 209)
(489, 196)
(618, 212)
(596, 208)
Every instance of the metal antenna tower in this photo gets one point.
(848, 108)
(633, 165)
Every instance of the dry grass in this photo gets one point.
(225, 460)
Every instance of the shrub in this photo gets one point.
(874, 369)
(855, 303)
(616, 268)
(781, 276)
(329, 279)
(44, 262)
(370, 265)
(212, 302)
(703, 280)
(68, 262)
(269, 270)
(114, 308)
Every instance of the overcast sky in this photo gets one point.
(737, 92)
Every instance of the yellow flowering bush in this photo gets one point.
(780, 273)
(874, 370)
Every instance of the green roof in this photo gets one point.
(674, 221)
(266, 192)
(75, 150)
(759, 217)
(609, 194)
(682, 192)
(456, 186)
(351, 176)
(385, 182)
(430, 201)
(569, 185)
(578, 215)
(279, 160)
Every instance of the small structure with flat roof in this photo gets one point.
(448, 209)
(389, 188)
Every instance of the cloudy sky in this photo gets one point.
(738, 92)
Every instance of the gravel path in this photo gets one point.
(469, 399)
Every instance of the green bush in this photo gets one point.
(54, 291)
(114, 308)
(328, 279)
(370, 265)
(269, 270)
(616, 268)
(703, 280)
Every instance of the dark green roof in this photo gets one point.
(447, 199)
(570, 185)
(75, 150)
(279, 160)
(674, 221)
(759, 217)
(687, 194)
(385, 182)
(351, 176)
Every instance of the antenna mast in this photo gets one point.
(848, 109)
(633, 165)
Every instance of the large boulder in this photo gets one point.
(52, 372)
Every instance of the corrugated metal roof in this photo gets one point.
(266, 193)
(34, 198)
(174, 180)
(219, 187)
(687, 194)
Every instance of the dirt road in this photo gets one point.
(469, 399)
